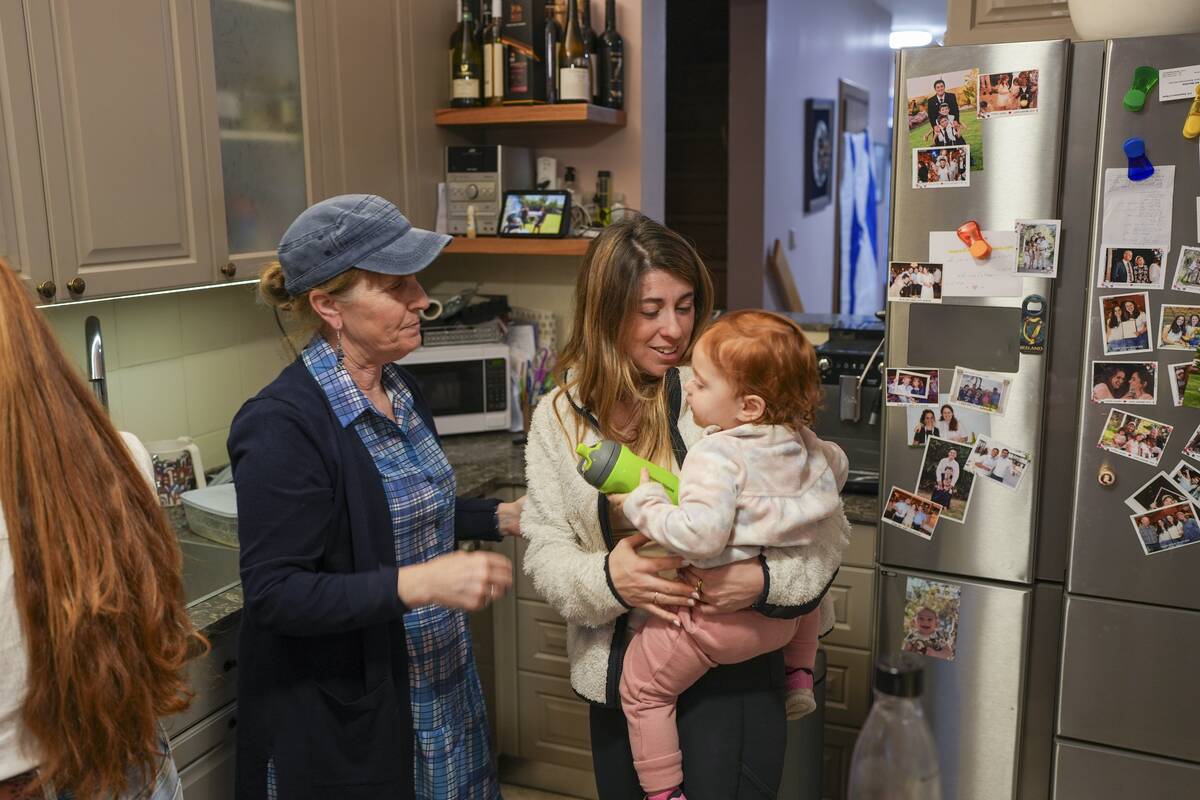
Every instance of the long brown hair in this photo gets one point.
(96, 570)
(594, 365)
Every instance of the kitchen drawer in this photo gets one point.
(205, 736)
(554, 722)
(541, 639)
(213, 776)
(861, 551)
(853, 595)
(847, 685)
(213, 677)
(1084, 772)
(835, 761)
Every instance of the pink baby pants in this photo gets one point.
(663, 660)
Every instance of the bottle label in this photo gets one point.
(574, 84)
(616, 79)
(466, 89)
(489, 70)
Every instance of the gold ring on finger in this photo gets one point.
(655, 599)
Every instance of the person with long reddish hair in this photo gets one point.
(94, 636)
(759, 478)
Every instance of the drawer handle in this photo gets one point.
(229, 665)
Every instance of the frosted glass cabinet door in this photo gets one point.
(257, 65)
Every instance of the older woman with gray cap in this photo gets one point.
(356, 676)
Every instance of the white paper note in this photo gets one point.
(1178, 83)
(963, 276)
(1138, 213)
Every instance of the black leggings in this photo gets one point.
(732, 731)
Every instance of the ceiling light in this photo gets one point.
(899, 39)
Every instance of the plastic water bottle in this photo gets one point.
(894, 758)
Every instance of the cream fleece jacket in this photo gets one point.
(566, 554)
(743, 489)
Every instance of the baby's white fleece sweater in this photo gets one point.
(743, 489)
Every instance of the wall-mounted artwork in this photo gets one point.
(818, 149)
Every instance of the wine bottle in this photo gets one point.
(468, 63)
(493, 56)
(611, 60)
(589, 48)
(574, 85)
(455, 36)
(553, 51)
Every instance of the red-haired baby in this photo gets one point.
(759, 478)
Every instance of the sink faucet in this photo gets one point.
(95, 355)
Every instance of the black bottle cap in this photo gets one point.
(899, 675)
(605, 173)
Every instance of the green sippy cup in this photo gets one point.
(615, 469)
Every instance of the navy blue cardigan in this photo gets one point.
(323, 669)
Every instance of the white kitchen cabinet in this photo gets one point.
(121, 140)
(24, 235)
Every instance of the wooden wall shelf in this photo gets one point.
(503, 246)
(557, 114)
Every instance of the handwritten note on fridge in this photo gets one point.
(1138, 213)
(963, 276)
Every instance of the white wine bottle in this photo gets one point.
(574, 82)
(493, 56)
(467, 63)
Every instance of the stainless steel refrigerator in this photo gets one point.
(1077, 661)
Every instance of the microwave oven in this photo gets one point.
(466, 385)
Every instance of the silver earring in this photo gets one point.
(341, 354)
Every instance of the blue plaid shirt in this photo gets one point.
(452, 759)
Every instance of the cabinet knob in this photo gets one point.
(824, 365)
(1106, 477)
(77, 285)
(47, 289)
(229, 270)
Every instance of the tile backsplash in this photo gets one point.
(179, 364)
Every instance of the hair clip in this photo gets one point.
(1140, 167)
(972, 237)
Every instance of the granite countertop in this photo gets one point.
(480, 460)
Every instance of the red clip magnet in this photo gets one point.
(971, 236)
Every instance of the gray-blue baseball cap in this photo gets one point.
(353, 230)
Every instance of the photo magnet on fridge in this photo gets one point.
(1179, 327)
(1037, 247)
(958, 424)
(1159, 491)
(998, 462)
(1191, 390)
(941, 111)
(1135, 437)
(1006, 93)
(1187, 478)
(908, 385)
(1192, 448)
(1124, 382)
(911, 514)
(944, 478)
(1187, 270)
(1035, 321)
(1177, 376)
(913, 282)
(981, 390)
(1125, 323)
(1166, 528)
(1124, 267)
(931, 617)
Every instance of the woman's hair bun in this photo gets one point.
(271, 286)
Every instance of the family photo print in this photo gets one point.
(998, 462)
(1132, 268)
(958, 424)
(1135, 437)
(1179, 328)
(912, 514)
(1166, 528)
(1187, 270)
(907, 385)
(944, 478)
(941, 167)
(1037, 247)
(980, 390)
(1124, 381)
(941, 111)
(1125, 323)
(931, 618)
(1005, 93)
(914, 282)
